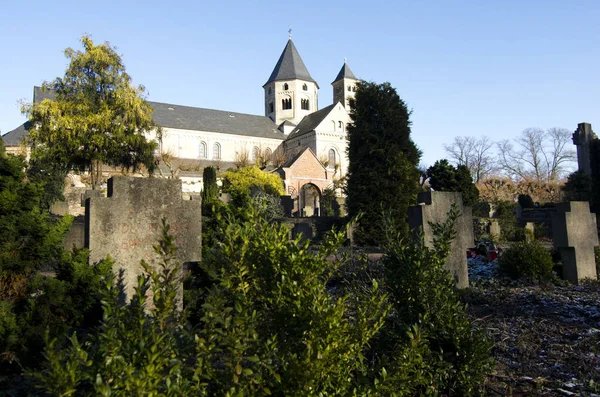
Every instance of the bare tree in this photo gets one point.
(474, 153)
(537, 154)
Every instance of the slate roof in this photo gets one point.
(14, 137)
(310, 122)
(290, 66)
(200, 119)
(345, 73)
(183, 117)
(289, 162)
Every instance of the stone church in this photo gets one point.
(304, 144)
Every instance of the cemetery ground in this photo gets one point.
(546, 336)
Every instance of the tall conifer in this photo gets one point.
(382, 173)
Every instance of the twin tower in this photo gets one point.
(291, 93)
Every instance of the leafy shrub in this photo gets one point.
(527, 259)
(268, 326)
(243, 178)
(442, 353)
(578, 187)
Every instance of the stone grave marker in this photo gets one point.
(434, 207)
(128, 223)
(575, 235)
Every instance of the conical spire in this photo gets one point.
(290, 66)
(345, 73)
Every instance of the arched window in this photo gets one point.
(305, 87)
(333, 127)
(271, 109)
(202, 150)
(268, 155)
(349, 88)
(331, 157)
(286, 103)
(216, 151)
(255, 153)
(341, 126)
(270, 91)
(286, 87)
(304, 104)
(354, 88)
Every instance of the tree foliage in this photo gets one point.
(243, 178)
(30, 303)
(541, 155)
(474, 153)
(95, 117)
(444, 177)
(382, 172)
(210, 191)
(578, 187)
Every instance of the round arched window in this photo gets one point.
(305, 87)
(286, 87)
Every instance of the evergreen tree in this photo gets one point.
(443, 177)
(382, 173)
(97, 116)
(210, 192)
(578, 187)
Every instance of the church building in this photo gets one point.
(292, 129)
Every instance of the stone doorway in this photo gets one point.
(309, 200)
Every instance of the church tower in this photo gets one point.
(344, 86)
(290, 93)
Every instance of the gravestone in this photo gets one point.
(495, 227)
(433, 207)
(128, 223)
(582, 137)
(287, 202)
(530, 226)
(575, 235)
(303, 229)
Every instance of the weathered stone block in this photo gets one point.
(575, 235)
(127, 224)
(434, 207)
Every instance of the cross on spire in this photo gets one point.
(290, 32)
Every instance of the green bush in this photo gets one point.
(527, 259)
(440, 350)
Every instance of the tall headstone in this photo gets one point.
(434, 207)
(128, 223)
(575, 235)
(582, 137)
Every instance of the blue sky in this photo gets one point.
(464, 67)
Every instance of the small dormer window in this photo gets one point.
(286, 87)
(305, 87)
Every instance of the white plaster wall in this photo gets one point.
(186, 144)
(294, 91)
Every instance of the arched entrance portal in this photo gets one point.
(309, 200)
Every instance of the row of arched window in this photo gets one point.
(352, 88)
(216, 154)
